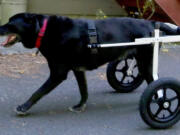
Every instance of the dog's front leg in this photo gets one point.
(81, 79)
(48, 86)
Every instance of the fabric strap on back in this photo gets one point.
(92, 32)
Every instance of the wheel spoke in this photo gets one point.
(118, 70)
(126, 63)
(174, 98)
(158, 111)
(164, 93)
(123, 78)
(169, 110)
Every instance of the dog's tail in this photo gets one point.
(168, 28)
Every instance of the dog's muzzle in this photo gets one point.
(10, 40)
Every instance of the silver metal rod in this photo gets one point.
(124, 44)
(156, 56)
(143, 41)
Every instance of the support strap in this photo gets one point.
(92, 32)
(93, 40)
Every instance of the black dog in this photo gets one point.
(64, 45)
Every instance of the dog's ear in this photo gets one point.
(32, 19)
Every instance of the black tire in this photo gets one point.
(161, 111)
(119, 85)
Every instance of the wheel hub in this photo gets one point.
(166, 105)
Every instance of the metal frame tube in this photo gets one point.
(156, 55)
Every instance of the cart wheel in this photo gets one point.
(160, 103)
(119, 78)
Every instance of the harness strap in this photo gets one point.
(93, 40)
(92, 32)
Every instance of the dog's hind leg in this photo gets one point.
(81, 79)
(144, 60)
(146, 71)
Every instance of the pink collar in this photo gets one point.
(41, 33)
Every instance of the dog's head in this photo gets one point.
(23, 28)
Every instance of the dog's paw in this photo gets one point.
(20, 111)
(78, 109)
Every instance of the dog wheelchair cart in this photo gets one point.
(160, 103)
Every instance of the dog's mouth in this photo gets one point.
(10, 40)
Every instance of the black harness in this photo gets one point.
(93, 42)
(92, 32)
(93, 37)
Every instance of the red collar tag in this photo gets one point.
(41, 33)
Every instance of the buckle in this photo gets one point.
(92, 36)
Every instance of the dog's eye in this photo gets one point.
(29, 21)
(12, 27)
